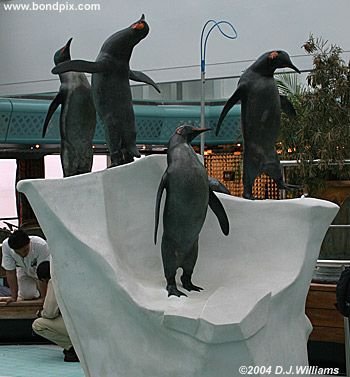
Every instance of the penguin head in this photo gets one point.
(272, 60)
(140, 25)
(139, 29)
(188, 133)
(123, 41)
(63, 54)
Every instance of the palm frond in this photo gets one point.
(288, 84)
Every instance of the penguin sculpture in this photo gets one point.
(77, 120)
(188, 196)
(261, 118)
(111, 89)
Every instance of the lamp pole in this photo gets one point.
(203, 46)
(202, 111)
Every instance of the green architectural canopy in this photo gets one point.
(21, 122)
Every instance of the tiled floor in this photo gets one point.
(36, 361)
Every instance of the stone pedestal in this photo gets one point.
(111, 289)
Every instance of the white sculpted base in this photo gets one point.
(111, 289)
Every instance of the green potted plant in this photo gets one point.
(318, 138)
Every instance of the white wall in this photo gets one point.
(28, 39)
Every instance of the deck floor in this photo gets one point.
(36, 361)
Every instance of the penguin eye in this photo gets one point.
(138, 26)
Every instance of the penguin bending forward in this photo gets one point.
(77, 119)
(261, 118)
(188, 196)
(111, 89)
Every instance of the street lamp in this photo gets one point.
(204, 41)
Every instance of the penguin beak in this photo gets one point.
(196, 131)
(200, 130)
(69, 42)
(293, 67)
(67, 46)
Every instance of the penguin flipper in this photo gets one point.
(142, 77)
(236, 96)
(81, 66)
(219, 210)
(217, 186)
(52, 108)
(287, 107)
(161, 187)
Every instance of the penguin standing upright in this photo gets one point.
(77, 120)
(260, 118)
(188, 195)
(111, 89)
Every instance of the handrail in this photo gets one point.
(332, 263)
(8, 218)
(10, 226)
(288, 163)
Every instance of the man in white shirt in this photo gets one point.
(21, 254)
(50, 324)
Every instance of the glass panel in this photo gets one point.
(53, 167)
(7, 192)
(336, 244)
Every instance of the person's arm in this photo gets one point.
(50, 308)
(42, 285)
(42, 254)
(13, 284)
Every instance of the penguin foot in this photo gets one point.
(248, 196)
(191, 287)
(117, 159)
(187, 284)
(116, 163)
(173, 291)
(128, 159)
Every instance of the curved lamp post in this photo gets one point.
(204, 41)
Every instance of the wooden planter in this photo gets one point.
(335, 191)
(328, 323)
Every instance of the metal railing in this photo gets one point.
(9, 225)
